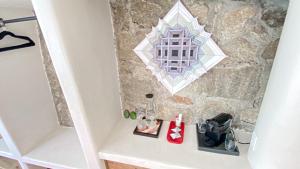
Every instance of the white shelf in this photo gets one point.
(122, 146)
(6, 163)
(62, 150)
(4, 151)
(35, 167)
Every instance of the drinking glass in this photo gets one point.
(230, 141)
(140, 117)
(202, 126)
(150, 111)
(140, 112)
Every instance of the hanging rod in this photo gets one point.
(3, 22)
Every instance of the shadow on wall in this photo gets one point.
(63, 114)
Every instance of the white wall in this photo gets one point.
(275, 142)
(16, 4)
(27, 111)
(80, 41)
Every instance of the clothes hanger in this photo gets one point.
(24, 45)
(5, 33)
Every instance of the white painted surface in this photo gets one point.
(277, 133)
(122, 146)
(80, 40)
(35, 167)
(61, 150)
(16, 4)
(4, 151)
(27, 112)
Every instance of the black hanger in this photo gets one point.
(28, 44)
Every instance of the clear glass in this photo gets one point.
(140, 113)
(150, 113)
(236, 122)
(141, 124)
(230, 141)
(140, 118)
(202, 126)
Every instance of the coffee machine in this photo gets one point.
(213, 133)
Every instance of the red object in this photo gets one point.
(177, 140)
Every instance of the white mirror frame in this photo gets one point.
(208, 54)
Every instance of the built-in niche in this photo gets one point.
(247, 32)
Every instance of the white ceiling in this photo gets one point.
(16, 4)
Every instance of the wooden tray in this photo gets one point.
(154, 135)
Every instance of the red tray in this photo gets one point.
(177, 140)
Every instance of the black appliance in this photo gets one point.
(212, 133)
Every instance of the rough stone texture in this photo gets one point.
(181, 100)
(270, 50)
(246, 30)
(245, 53)
(274, 17)
(61, 106)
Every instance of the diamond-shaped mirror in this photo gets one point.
(178, 50)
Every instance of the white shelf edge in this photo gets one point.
(124, 147)
(4, 150)
(61, 150)
(8, 163)
(44, 164)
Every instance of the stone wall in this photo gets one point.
(247, 31)
(63, 114)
